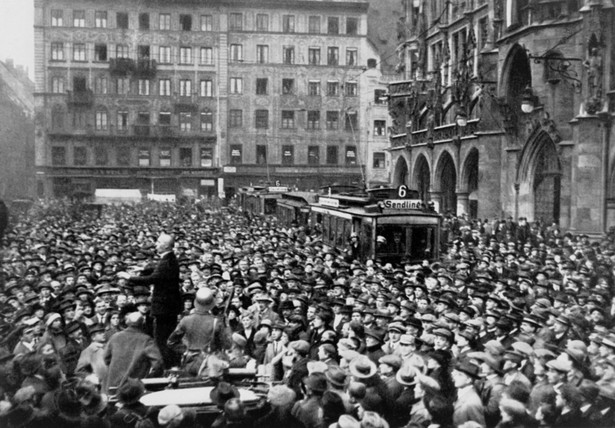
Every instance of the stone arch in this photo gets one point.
(469, 181)
(421, 174)
(400, 174)
(539, 179)
(445, 182)
(516, 76)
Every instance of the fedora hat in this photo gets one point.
(336, 376)
(406, 375)
(362, 367)
(468, 368)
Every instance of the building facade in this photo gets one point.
(200, 98)
(505, 107)
(17, 136)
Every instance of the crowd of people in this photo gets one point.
(511, 327)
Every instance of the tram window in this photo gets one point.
(422, 243)
(270, 205)
(365, 239)
(340, 232)
(397, 240)
(325, 228)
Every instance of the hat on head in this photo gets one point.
(223, 392)
(494, 347)
(316, 382)
(169, 413)
(281, 395)
(559, 364)
(391, 360)
(130, 391)
(406, 375)
(468, 368)
(301, 346)
(362, 367)
(444, 332)
(488, 359)
(336, 376)
(347, 421)
(316, 367)
(376, 334)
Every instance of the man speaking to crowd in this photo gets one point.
(166, 296)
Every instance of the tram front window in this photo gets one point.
(415, 243)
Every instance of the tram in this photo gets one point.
(260, 200)
(392, 225)
(293, 208)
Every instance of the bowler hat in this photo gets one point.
(362, 367)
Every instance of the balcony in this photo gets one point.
(83, 98)
(121, 66)
(146, 68)
(185, 104)
(142, 130)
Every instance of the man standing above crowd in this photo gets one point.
(166, 297)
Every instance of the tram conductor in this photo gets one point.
(166, 295)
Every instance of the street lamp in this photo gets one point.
(461, 117)
(528, 100)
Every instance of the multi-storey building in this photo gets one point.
(505, 107)
(193, 97)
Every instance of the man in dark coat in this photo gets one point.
(131, 353)
(166, 297)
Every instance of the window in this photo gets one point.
(101, 120)
(288, 119)
(352, 26)
(144, 156)
(235, 154)
(123, 155)
(378, 160)
(207, 23)
(185, 55)
(314, 88)
(100, 19)
(206, 88)
(57, 18)
(333, 55)
(288, 54)
(121, 19)
(351, 57)
(314, 24)
(164, 54)
(207, 56)
(262, 54)
(57, 51)
(333, 89)
(165, 156)
(207, 157)
(351, 89)
(58, 156)
(333, 25)
(314, 56)
(261, 86)
(144, 21)
(164, 119)
(164, 87)
(262, 22)
(236, 52)
(350, 122)
(78, 18)
(185, 88)
(185, 156)
(143, 52)
(236, 22)
(288, 155)
(122, 85)
(57, 118)
(57, 85)
(142, 127)
(379, 96)
(332, 155)
(313, 119)
(288, 23)
(185, 22)
(121, 51)
(122, 120)
(164, 21)
(185, 121)
(261, 154)
(207, 121)
(79, 83)
(333, 118)
(101, 156)
(351, 155)
(236, 118)
(100, 52)
(380, 127)
(483, 28)
(288, 86)
(79, 120)
(236, 85)
(143, 87)
(79, 52)
(80, 156)
(261, 119)
(313, 155)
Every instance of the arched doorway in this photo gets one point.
(447, 179)
(547, 185)
(401, 172)
(422, 178)
(470, 180)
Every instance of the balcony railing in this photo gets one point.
(146, 68)
(121, 66)
(185, 104)
(84, 98)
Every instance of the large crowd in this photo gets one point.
(511, 327)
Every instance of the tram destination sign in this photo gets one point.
(401, 204)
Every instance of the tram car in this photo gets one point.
(260, 200)
(392, 225)
(293, 208)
